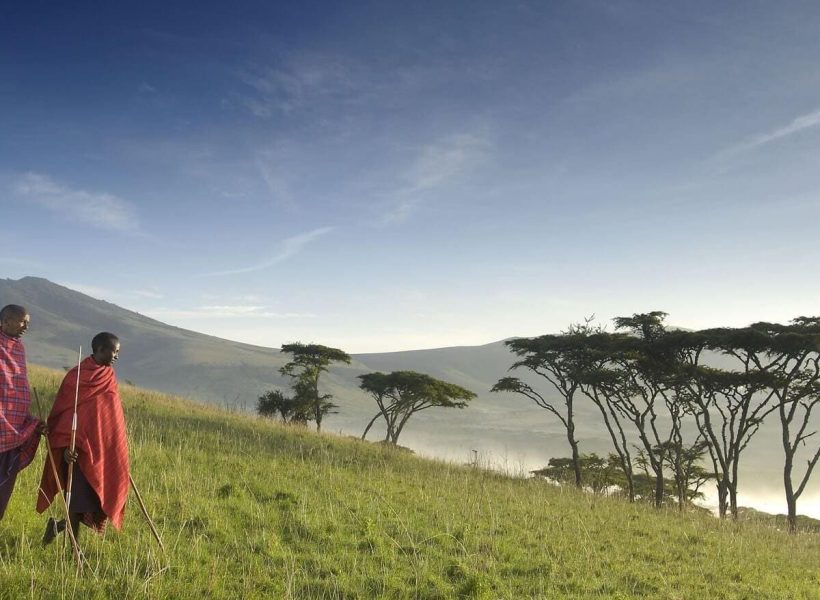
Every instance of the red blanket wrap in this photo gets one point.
(101, 438)
(17, 425)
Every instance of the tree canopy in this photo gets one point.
(401, 394)
(308, 363)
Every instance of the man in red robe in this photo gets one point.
(19, 430)
(100, 472)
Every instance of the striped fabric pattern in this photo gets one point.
(17, 425)
(101, 439)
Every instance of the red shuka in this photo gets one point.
(101, 439)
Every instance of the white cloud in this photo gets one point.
(270, 168)
(438, 164)
(797, 125)
(112, 295)
(225, 311)
(287, 249)
(91, 290)
(299, 82)
(94, 209)
(446, 159)
(148, 294)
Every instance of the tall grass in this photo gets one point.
(251, 509)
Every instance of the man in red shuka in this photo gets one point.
(100, 479)
(19, 430)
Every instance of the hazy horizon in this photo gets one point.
(385, 176)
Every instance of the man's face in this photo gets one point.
(15, 325)
(108, 354)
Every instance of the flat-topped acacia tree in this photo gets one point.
(308, 363)
(560, 360)
(401, 394)
(792, 354)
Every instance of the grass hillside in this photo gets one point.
(250, 509)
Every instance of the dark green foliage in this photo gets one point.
(401, 394)
(296, 409)
(308, 363)
(599, 474)
(649, 382)
(560, 360)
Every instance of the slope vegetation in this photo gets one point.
(250, 509)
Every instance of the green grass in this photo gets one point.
(250, 509)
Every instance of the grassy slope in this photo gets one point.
(251, 509)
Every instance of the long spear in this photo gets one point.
(70, 478)
(75, 547)
(145, 513)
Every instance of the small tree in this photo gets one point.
(308, 363)
(599, 473)
(291, 410)
(401, 394)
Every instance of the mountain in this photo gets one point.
(170, 359)
(155, 355)
(501, 430)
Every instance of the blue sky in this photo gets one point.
(384, 176)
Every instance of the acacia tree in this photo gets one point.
(792, 355)
(560, 360)
(308, 363)
(600, 384)
(687, 474)
(729, 406)
(294, 409)
(599, 473)
(646, 386)
(401, 394)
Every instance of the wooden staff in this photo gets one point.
(75, 547)
(145, 513)
(70, 478)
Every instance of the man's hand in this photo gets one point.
(42, 428)
(70, 456)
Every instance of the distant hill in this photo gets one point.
(504, 430)
(155, 355)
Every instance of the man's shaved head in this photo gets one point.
(12, 310)
(103, 339)
(106, 347)
(14, 320)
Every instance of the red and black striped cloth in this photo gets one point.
(17, 425)
(101, 439)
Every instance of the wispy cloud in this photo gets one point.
(299, 82)
(797, 125)
(94, 209)
(151, 294)
(287, 249)
(269, 166)
(112, 295)
(99, 293)
(225, 311)
(439, 163)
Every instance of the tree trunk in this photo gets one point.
(791, 499)
(659, 488)
(576, 459)
(318, 403)
(722, 496)
(369, 425)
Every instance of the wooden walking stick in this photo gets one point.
(70, 477)
(75, 547)
(145, 513)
